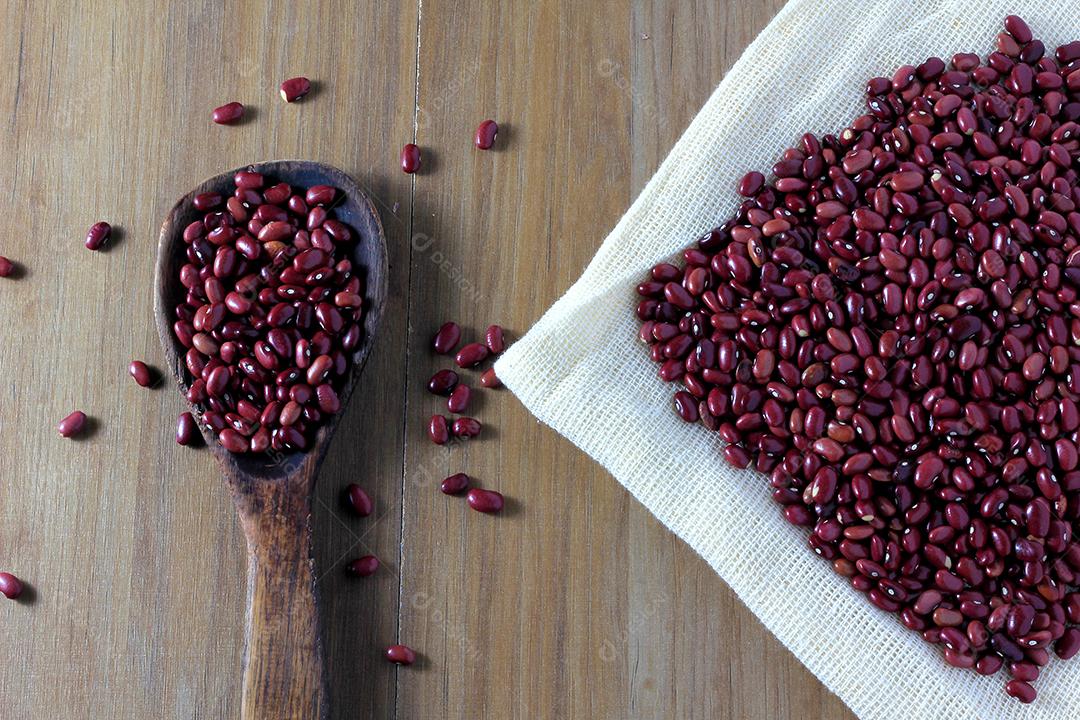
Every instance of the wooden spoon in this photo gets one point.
(284, 675)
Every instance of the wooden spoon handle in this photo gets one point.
(283, 658)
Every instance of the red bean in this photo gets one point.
(186, 431)
(472, 355)
(10, 586)
(485, 501)
(459, 399)
(358, 500)
(98, 235)
(400, 655)
(455, 484)
(1020, 690)
(6, 267)
(751, 184)
(438, 430)
(410, 158)
(494, 339)
(228, 113)
(364, 566)
(485, 134)
(443, 382)
(447, 338)
(295, 88)
(73, 424)
(489, 379)
(141, 373)
(466, 427)
(233, 441)
(319, 195)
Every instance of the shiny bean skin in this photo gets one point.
(400, 655)
(485, 501)
(73, 424)
(358, 500)
(455, 484)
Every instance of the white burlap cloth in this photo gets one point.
(582, 371)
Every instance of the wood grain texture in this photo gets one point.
(574, 602)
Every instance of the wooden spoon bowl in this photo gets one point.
(283, 653)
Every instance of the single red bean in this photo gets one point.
(1020, 690)
(485, 134)
(233, 441)
(295, 88)
(410, 158)
(364, 566)
(466, 427)
(207, 201)
(228, 113)
(485, 501)
(98, 235)
(459, 399)
(489, 379)
(472, 355)
(358, 500)
(447, 338)
(186, 431)
(751, 184)
(73, 424)
(10, 586)
(438, 430)
(455, 484)
(319, 195)
(400, 655)
(6, 267)
(494, 339)
(141, 373)
(443, 382)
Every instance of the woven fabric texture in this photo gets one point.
(582, 371)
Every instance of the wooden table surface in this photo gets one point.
(575, 603)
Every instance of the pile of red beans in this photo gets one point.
(273, 310)
(890, 329)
